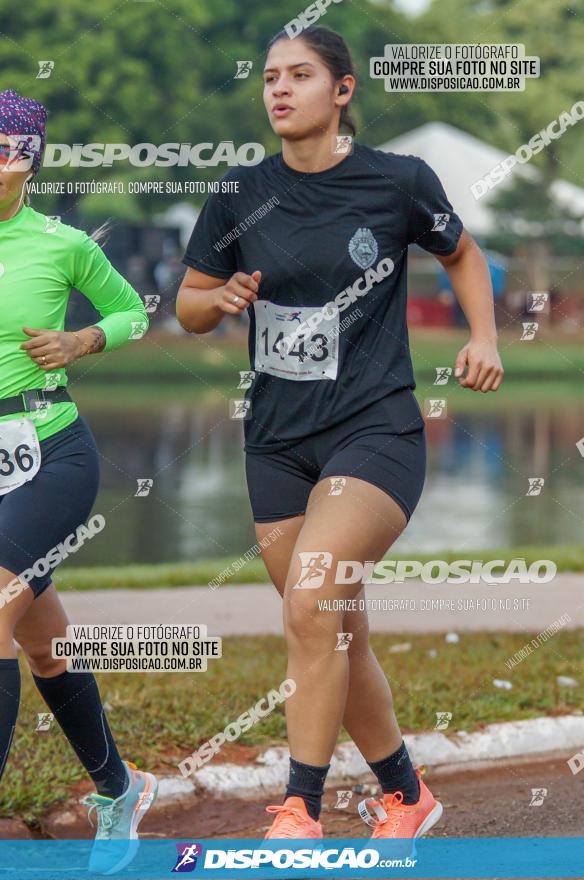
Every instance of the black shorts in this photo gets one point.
(39, 515)
(383, 444)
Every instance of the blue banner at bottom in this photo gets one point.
(502, 857)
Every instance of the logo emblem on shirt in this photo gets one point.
(363, 248)
(52, 223)
(440, 221)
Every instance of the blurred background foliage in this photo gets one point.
(163, 71)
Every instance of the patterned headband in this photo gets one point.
(24, 116)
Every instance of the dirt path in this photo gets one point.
(486, 803)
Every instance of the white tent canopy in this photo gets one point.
(460, 160)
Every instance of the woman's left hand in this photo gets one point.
(485, 371)
(51, 349)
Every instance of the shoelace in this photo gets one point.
(286, 825)
(394, 811)
(107, 814)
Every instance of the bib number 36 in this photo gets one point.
(20, 454)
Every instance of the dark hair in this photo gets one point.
(333, 52)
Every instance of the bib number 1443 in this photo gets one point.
(282, 352)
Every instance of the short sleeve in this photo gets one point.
(212, 247)
(432, 223)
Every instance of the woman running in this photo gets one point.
(314, 245)
(49, 466)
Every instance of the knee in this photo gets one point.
(306, 624)
(7, 646)
(41, 661)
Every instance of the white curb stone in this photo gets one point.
(512, 739)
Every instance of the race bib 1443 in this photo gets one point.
(286, 346)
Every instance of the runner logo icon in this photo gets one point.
(313, 572)
(288, 316)
(538, 796)
(187, 857)
(52, 223)
(363, 248)
(440, 221)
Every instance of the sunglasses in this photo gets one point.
(9, 153)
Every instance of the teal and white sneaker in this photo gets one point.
(116, 840)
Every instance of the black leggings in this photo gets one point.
(34, 519)
(38, 516)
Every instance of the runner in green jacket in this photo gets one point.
(49, 468)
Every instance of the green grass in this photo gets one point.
(198, 360)
(160, 718)
(125, 397)
(545, 358)
(567, 558)
(206, 360)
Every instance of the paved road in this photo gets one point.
(255, 609)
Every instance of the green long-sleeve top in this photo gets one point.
(41, 260)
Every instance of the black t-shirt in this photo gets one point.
(337, 237)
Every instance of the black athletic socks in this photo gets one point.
(9, 700)
(396, 773)
(307, 782)
(73, 698)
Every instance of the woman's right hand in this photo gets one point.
(238, 293)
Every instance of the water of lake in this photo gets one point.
(479, 466)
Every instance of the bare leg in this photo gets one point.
(44, 620)
(11, 613)
(368, 717)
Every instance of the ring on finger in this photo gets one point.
(235, 300)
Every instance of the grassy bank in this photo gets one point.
(124, 396)
(567, 557)
(210, 360)
(159, 718)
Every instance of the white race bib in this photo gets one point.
(20, 453)
(281, 351)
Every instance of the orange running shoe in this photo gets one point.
(292, 820)
(395, 819)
